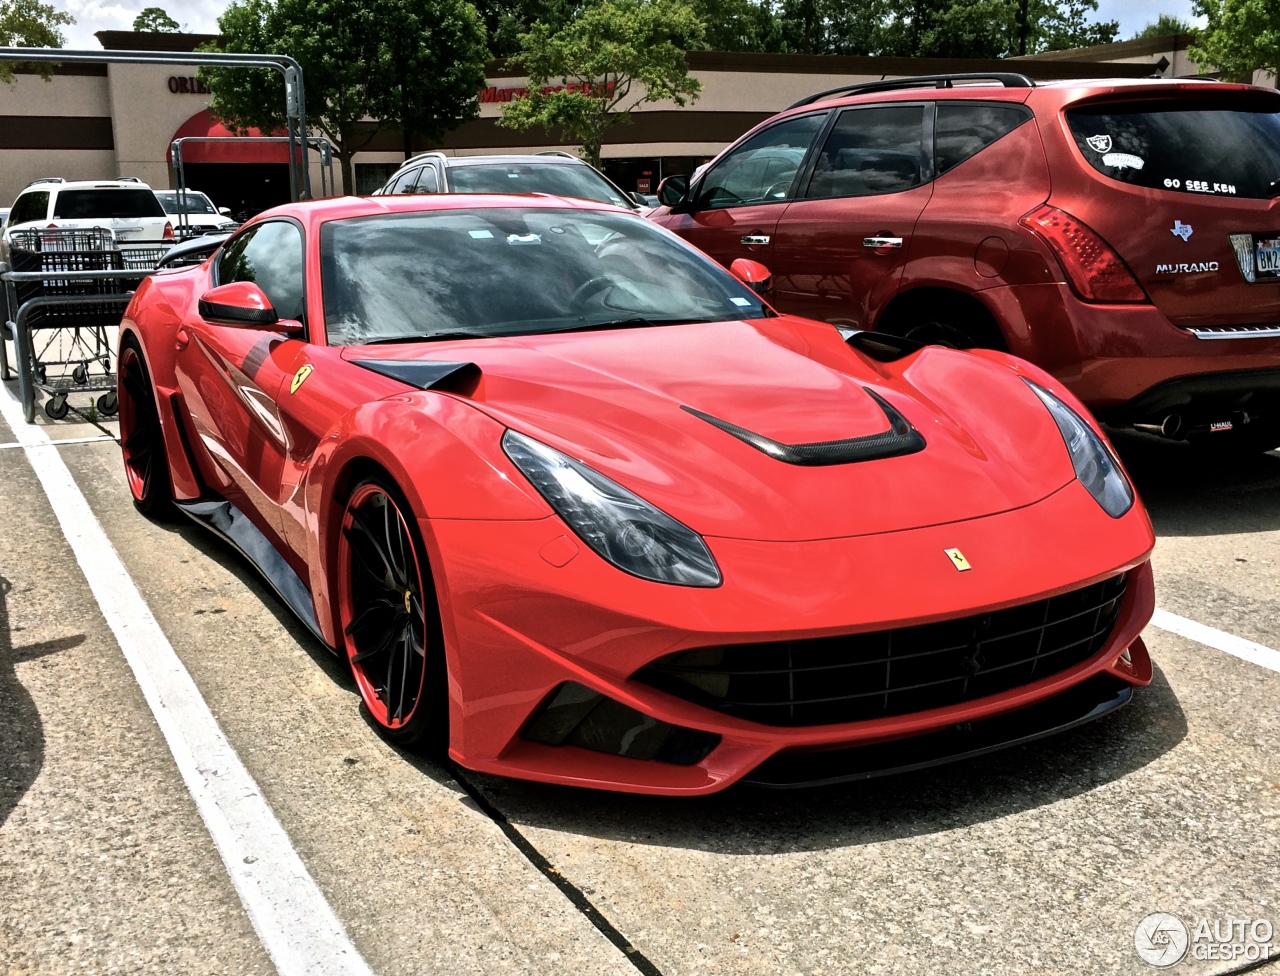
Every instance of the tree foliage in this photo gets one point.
(414, 63)
(1165, 26)
(29, 23)
(1241, 37)
(609, 59)
(156, 20)
(940, 28)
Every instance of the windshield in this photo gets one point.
(512, 272)
(105, 203)
(561, 179)
(197, 203)
(1189, 150)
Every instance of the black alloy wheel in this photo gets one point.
(146, 462)
(390, 622)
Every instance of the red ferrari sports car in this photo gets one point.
(578, 505)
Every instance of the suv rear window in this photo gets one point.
(560, 179)
(106, 203)
(964, 129)
(1183, 148)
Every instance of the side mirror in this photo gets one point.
(239, 303)
(225, 211)
(753, 274)
(673, 191)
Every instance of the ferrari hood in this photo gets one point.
(727, 426)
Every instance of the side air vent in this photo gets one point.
(425, 374)
(901, 438)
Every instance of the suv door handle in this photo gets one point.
(755, 239)
(882, 242)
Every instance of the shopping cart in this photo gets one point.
(64, 290)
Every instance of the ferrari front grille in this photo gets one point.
(854, 677)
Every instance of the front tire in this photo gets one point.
(390, 622)
(146, 462)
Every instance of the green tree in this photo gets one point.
(940, 28)
(359, 61)
(156, 20)
(29, 23)
(1241, 36)
(614, 56)
(1164, 26)
(432, 67)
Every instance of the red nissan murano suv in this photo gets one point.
(1124, 235)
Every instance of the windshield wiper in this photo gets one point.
(422, 337)
(635, 322)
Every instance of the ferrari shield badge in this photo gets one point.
(300, 377)
(1100, 144)
(957, 559)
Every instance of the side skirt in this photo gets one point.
(233, 526)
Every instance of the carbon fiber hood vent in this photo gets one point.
(901, 438)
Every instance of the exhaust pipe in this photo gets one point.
(1170, 427)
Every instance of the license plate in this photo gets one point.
(1266, 252)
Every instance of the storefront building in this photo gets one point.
(103, 121)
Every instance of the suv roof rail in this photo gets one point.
(127, 179)
(413, 159)
(557, 152)
(1008, 79)
(47, 179)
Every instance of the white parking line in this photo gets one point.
(291, 916)
(1246, 650)
(62, 440)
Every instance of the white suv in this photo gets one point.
(127, 207)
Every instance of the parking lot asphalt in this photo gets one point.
(1041, 859)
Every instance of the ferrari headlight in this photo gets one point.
(1095, 467)
(620, 526)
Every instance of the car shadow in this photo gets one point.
(745, 820)
(21, 730)
(1191, 493)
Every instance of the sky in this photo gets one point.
(201, 16)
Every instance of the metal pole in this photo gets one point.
(282, 63)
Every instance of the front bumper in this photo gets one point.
(1123, 361)
(520, 621)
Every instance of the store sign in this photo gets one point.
(491, 95)
(187, 85)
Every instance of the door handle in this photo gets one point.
(882, 242)
(755, 239)
(181, 339)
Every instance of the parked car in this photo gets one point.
(127, 207)
(201, 216)
(1120, 234)
(572, 501)
(552, 172)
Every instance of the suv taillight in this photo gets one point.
(1095, 270)
(168, 231)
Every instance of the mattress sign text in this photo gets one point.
(492, 94)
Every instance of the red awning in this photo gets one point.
(235, 150)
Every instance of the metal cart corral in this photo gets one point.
(65, 290)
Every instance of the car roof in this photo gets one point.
(1060, 90)
(313, 212)
(55, 184)
(490, 159)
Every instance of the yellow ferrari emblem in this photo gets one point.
(300, 377)
(957, 557)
